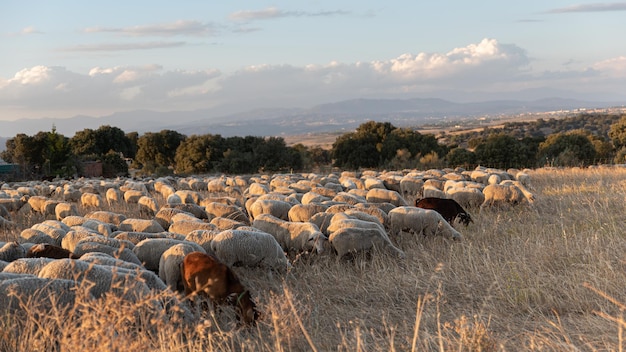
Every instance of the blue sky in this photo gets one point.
(65, 58)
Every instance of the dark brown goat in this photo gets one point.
(448, 208)
(46, 250)
(204, 274)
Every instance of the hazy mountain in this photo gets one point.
(336, 116)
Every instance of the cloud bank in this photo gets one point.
(486, 66)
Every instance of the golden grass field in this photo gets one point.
(551, 277)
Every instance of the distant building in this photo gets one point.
(92, 168)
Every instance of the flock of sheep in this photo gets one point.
(255, 221)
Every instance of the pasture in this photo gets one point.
(550, 276)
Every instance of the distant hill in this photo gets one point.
(332, 117)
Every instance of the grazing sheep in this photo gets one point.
(65, 209)
(342, 220)
(184, 227)
(169, 265)
(530, 197)
(11, 251)
(378, 195)
(304, 212)
(55, 233)
(44, 296)
(205, 275)
(30, 266)
(91, 200)
(136, 237)
(150, 250)
(203, 238)
(109, 241)
(351, 240)
(502, 195)
(106, 216)
(322, 221)
(71, 239)
(140, 225)
(189, 197)
(35, 236)
(152, 280)
(411, 186)
(420, 221)
(147, 205)
(7, 224)
(468, 197)
(226, 211)
(249, 248)
(430, 191)
(277, 208)
(292, 236)
(113, 196)
(226, 224)
(46, 250)
(132, 196)
(38, 204)
(103, 228)
(118, 252)
(102, 279)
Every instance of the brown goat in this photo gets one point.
(45, 250)
(204, 274)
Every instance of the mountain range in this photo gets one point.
(332, 117)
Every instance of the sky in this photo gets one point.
(65, 58)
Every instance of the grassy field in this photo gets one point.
(550, 277)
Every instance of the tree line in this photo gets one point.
(372, 145)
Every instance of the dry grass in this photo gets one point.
(548, 277)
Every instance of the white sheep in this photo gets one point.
(106, 216)
(234, 212)
(149, 251)
(203, 238)
(304, 212)
(503, 195)
(148, 205)
(277, 208)
(351, 240)
(132, 196)
(56, 233)
(100, 278)
(65, 209)
(113, 196)
(140, 225)
(41, 295)
(117, 252)
(292, 236)
(30, 266)
(169, 264)
(136, 237)
(420, 221)
(467, 197)
(152, 280)
(342, 220)
(184, 227)
(222, 223)
(71, 239)
(91, 200)
(11, 251)
(249, 248)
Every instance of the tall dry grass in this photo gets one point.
(547, 277)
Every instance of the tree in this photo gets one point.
(460, 157)
(503, 151)
(158, 149)
(617, 133)
(113, 165)
(198, 154)
(567, 149)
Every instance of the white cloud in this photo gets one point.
(599, 7)
(615, 66)
(30, 30)
(123, 46)
(182, 27)
(486, 66)
(273, 12)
